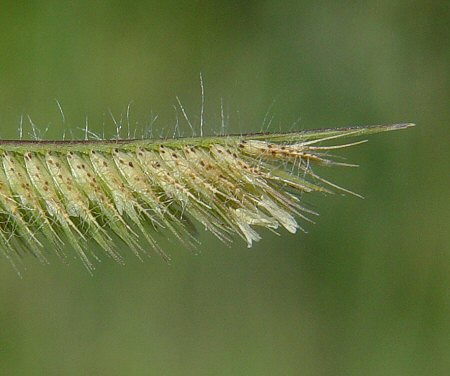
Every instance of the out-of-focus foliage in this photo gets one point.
(366, 291)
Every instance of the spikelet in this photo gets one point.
(123, 191)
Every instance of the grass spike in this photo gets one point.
(123, 190)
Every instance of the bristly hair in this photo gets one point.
(74, 192)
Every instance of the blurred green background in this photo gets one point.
(365, 292)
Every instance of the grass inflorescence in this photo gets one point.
(122, 191)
